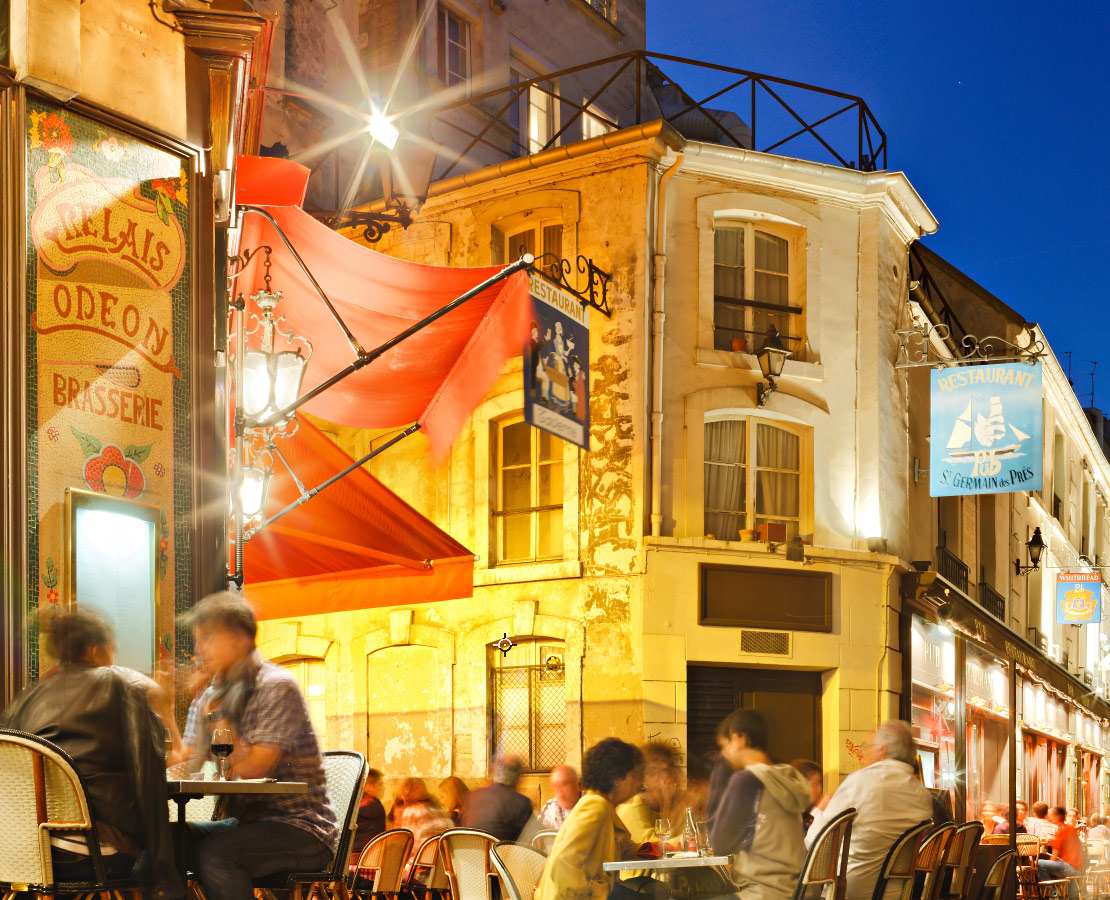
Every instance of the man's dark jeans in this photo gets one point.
(227, 855)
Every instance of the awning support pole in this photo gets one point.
(351, 339)
(366, 357)
(308, 495)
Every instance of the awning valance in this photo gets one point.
(437, 376)
(356, 545)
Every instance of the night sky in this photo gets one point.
(997, 112)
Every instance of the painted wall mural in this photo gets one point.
(108, 293)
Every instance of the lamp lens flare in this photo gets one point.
(382, 129)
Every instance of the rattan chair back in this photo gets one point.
(41, 794)
(900, 865)
(544, 841)
(382, 862)
(998, 875)
(467, 862)
(961, 855)
(519, 867)
(427, 876)
(827, 860)
(933, 857)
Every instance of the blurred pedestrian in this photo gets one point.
(415, 810)
(888, 800)
(593, 833)
(1066, 849)
(757, 817)
(452, 797)
(100, 715)
(371, 814)
(566, 792)
(498, 808)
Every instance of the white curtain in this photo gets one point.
(725, 488)
(777, 479)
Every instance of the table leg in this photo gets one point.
(182, 834)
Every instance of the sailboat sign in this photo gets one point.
(986, 429)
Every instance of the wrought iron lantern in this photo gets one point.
(254, 485)
(1035, 547)
(772, 357)
(272, 378)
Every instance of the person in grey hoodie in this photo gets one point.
(755, 810)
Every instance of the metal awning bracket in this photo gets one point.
(595, 293)
(918, 347)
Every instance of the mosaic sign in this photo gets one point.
(557, 364)
(108, 289)
(986, 429)
(1078, 598)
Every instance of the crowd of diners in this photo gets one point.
(114, 724)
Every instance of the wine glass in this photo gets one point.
(222, 745)
(662, 832)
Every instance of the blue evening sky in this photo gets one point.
(999, 114)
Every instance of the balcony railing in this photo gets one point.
(992, 601)
(793, 118)
(952, 568)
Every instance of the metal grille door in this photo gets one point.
(529, 714)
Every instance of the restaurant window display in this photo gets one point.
(933, 709)
(988, 730)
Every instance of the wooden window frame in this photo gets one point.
(444, 14)
(498, 513)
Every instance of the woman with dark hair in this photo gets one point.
(593, 833)
(101, 716)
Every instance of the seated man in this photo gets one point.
(888, 800)
(498, 808)
(1067, 852)
(100, 716)
(262, 834)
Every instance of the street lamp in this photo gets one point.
(1035, 546)
(272, 378)
(254, 485)
(406, 163)
(772, 356)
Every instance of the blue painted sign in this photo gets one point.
(986, 434)
(557, 364)
(1078, 598)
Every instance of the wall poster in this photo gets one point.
(108, 291)
(986, 429)
(557, 363)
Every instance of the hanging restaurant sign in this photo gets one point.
(986, 429)
(1078, 598)
(556, 363)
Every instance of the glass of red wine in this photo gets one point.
(222, 746)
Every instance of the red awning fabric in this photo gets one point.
(438, 376)
(356, 545)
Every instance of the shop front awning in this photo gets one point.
(356, 545)
(434, 378)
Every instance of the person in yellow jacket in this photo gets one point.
(593, 833)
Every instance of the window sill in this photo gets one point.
(542, 571)
(728, 359)
(587, 8)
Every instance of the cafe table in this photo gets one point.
(672, 865)
(182, 790)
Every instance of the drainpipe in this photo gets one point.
(657, 318)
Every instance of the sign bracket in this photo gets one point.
(558, 272)
(917, 347)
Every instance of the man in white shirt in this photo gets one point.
(887, 798)
(564, 785)
(1038, 823)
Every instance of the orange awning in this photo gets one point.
(355, 545)
(436, 377)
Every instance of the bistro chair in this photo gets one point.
(544, 841)
(381, 864)
(467, 863)
(427, 878)
(961, 855)
(42, 796)
(827, 860)
(900, 864)
(994, 840)
(519, 867)
(1030, 886)
(932, 859)
(198, 809)
(345, 777)
(994, 885)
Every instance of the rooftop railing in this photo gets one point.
(738, 108)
